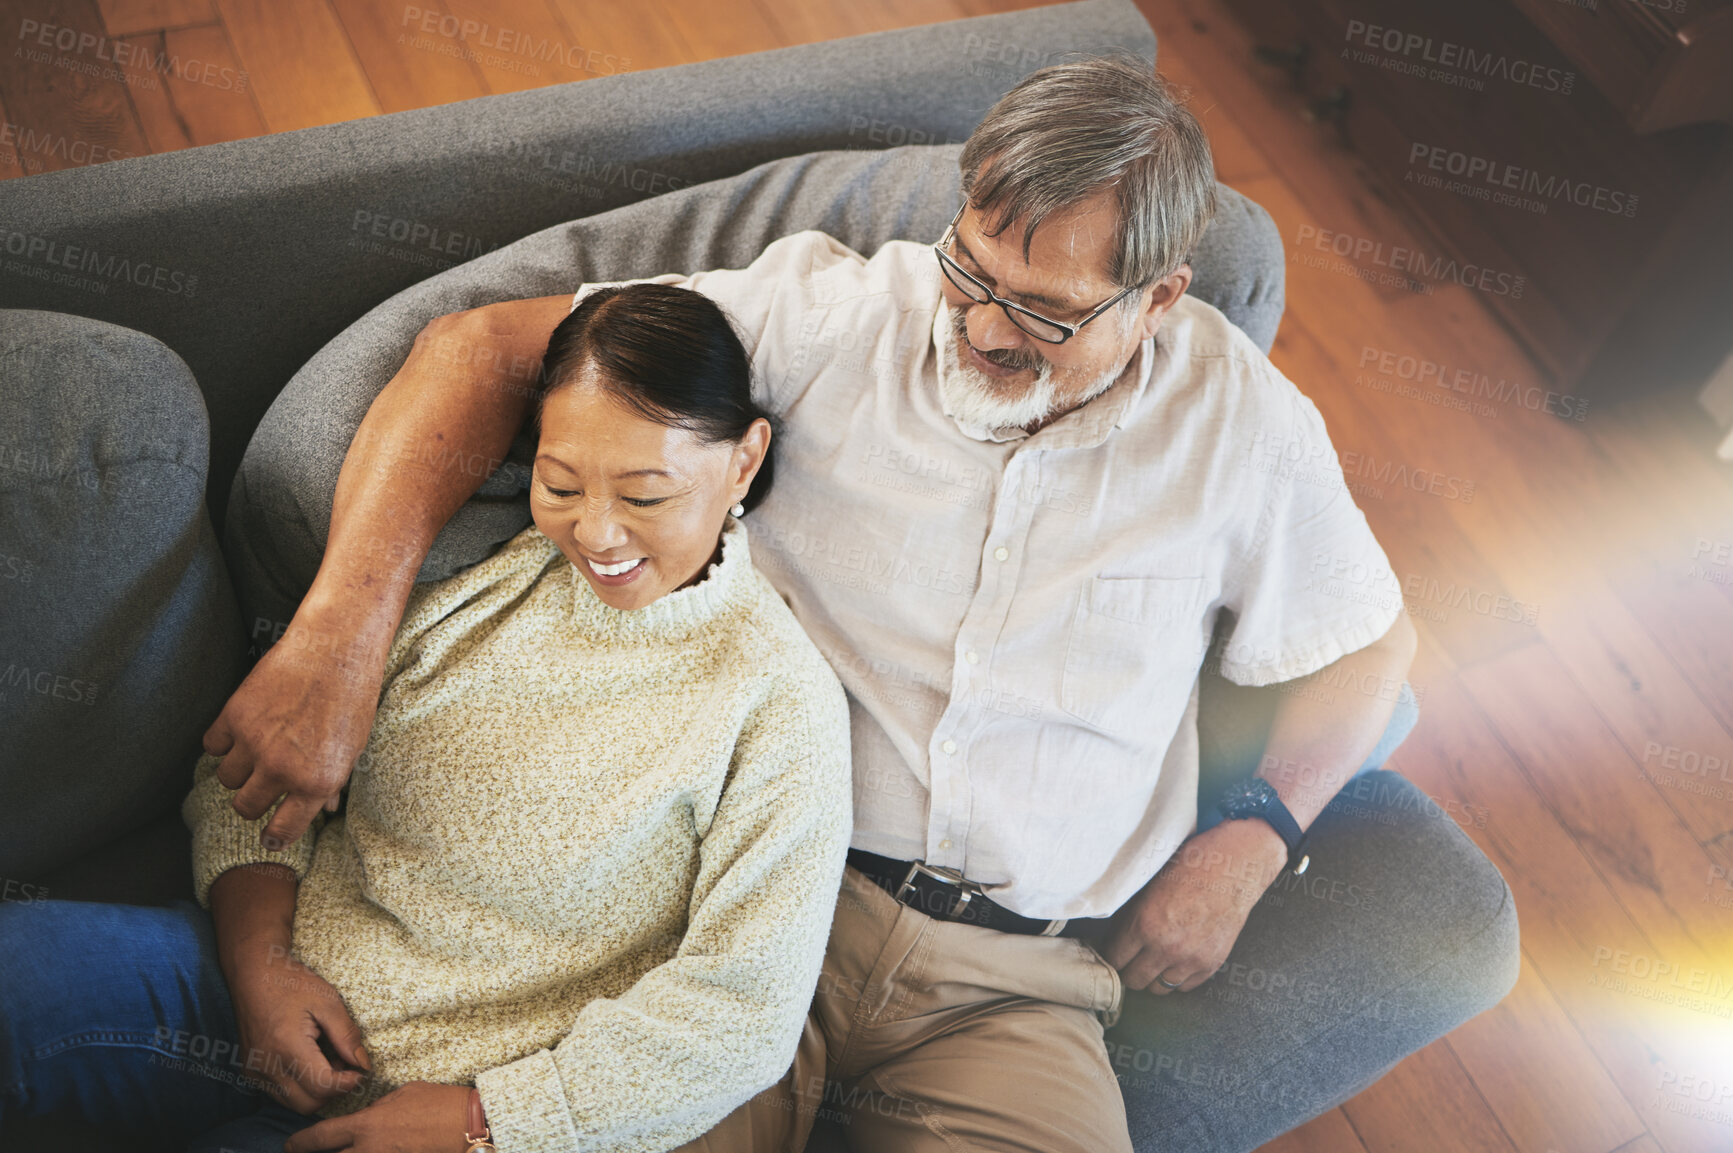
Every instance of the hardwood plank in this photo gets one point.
(189, 89)
(130, 17)
(1693, 621)
(66, 107)
(1427, 1104)
(1578, 766)
(403, 64)
(912, 13)
(625, 39)
(798, 23)
(11, 159)
(989, 7)
(1567, 1102)
(1326, 1133)
(1577, 936)
(1445, 578)
(1675, 739)
(1237, 158)
(1443, 552)
(710, 30)
(1668, 468)
(1643, 1144)
(1679, 576)
(1532, 467)
(518, 44)
(164, 128)
(1537, 467)
(300, 64)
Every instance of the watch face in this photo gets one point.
(1247, 798)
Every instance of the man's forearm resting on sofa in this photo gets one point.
(1181, 926)
(295, 726)
(1315, 745)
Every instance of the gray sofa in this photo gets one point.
(274, 284)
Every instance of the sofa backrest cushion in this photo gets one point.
(279, 510)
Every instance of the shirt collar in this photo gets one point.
(1083, 427)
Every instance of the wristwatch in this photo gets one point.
(477, 1137)
(1256, 797)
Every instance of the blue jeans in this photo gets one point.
(120, 1014)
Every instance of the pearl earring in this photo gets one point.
(739, 510)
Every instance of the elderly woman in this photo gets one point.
(580, 889)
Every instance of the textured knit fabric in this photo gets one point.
(589, 856)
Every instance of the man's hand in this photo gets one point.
(298, 722)
(419, 1118)
(1183, 924)
(296, 725)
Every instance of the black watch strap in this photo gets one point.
(1256, 797)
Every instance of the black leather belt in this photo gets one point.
(944, 895)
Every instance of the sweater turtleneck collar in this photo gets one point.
(726, 586)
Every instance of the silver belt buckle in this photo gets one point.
(944, 875)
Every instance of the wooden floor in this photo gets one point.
(1586, 749)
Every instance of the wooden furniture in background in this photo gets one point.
(1525, 138)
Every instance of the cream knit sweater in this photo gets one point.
(591, 856)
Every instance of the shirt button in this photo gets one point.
(945, 844)
(949, 746)
(1001, 553)
(971, 657)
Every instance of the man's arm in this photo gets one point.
(1316, 746)
(296, 724)
(1183, 924)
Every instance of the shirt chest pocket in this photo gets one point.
(1130, 637)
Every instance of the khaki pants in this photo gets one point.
(932, 1035)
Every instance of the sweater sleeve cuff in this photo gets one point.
(526, 1106)
(224, 840)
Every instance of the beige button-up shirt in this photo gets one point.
(1020, 620)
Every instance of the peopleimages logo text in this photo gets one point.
(1447, 54)
(1471, 382)
(130, 55)
(1499, 176)
(83, 258)
(1411, 261)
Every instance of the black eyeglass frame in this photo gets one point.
(949, 266)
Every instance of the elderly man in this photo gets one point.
(1021, 475)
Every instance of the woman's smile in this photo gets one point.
(623, 572)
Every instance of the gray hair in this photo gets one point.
(1074, 130)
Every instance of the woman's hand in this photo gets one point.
(295, 1030)
(419, 1118)
(298, 722)
(297, 1036)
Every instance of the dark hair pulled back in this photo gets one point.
(669, 354)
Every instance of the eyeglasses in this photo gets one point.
(1040, 327)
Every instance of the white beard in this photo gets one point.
(982, 403)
